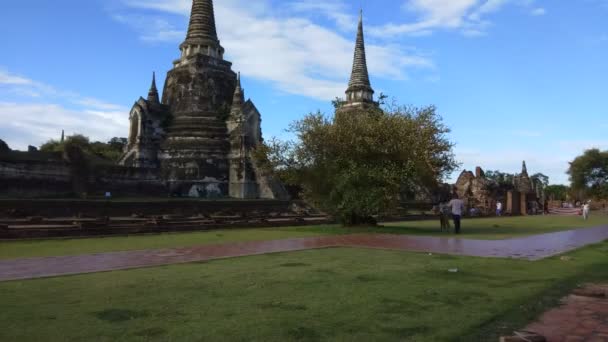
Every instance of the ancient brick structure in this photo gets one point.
(527, 197)
(474, 190)
(201, 135)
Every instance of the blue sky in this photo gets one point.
(514, 79)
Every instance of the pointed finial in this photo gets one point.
(238, 99)
(202, 23)
(238, 88)
(153, 92)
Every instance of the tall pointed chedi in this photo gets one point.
(199, 93)
(359, 92)
(198, 140)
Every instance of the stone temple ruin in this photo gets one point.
(523, 198)
(194, 141)
(201, 135)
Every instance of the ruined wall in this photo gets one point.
(34, 179)
(97, 208)
(39, 174)
(473, 189)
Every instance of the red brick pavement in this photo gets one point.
(580, 318)
(531, 248)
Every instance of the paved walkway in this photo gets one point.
(580, 318)
(530, 248)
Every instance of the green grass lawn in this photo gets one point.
(56, 247)
(501, 228)
(490, 228)
(338, 294)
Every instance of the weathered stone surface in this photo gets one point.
(202, 134)
(474, 190)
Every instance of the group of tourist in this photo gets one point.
(452, 209)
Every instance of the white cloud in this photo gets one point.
(44, 112)
(469, 17)
(152, 29)
(538, 11)
(295, 54)
(332, 9)
(33, 124)
(9, 79)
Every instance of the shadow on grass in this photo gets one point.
(119, 315)
(304, 334)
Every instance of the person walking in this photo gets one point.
(444, 211)
(498, 208)
(457, 206)
(586, 210)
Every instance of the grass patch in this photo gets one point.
(490, 228)
(501, 228)
(57, 247)
(346, 294)
(295, 264)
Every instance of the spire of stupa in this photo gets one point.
(239, 97)
(153, 92)
(202, 34)
(359, 87)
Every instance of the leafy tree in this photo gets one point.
(589, 173)
(4, 146)
(503, 181)
(557, 192)
(356, 164)
(337, 102)
(111, 150)
(540, 178)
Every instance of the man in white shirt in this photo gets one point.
(457, 206)
(498, 208)
(586, 210)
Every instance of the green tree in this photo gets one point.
(111, 150)
(540, 178)
(356, 164)
(589, 173)
(557, 192)
(4, 146)
(503, 181)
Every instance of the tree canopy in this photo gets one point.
(4, 146)
(356, 164)
(112, 150)
(589, 173)
(557, 192)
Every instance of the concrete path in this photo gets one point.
(531, 248)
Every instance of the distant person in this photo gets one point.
(586, 209)
(444, 216)
(457, 206)
(498, 208)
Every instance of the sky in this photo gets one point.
(514, 79)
